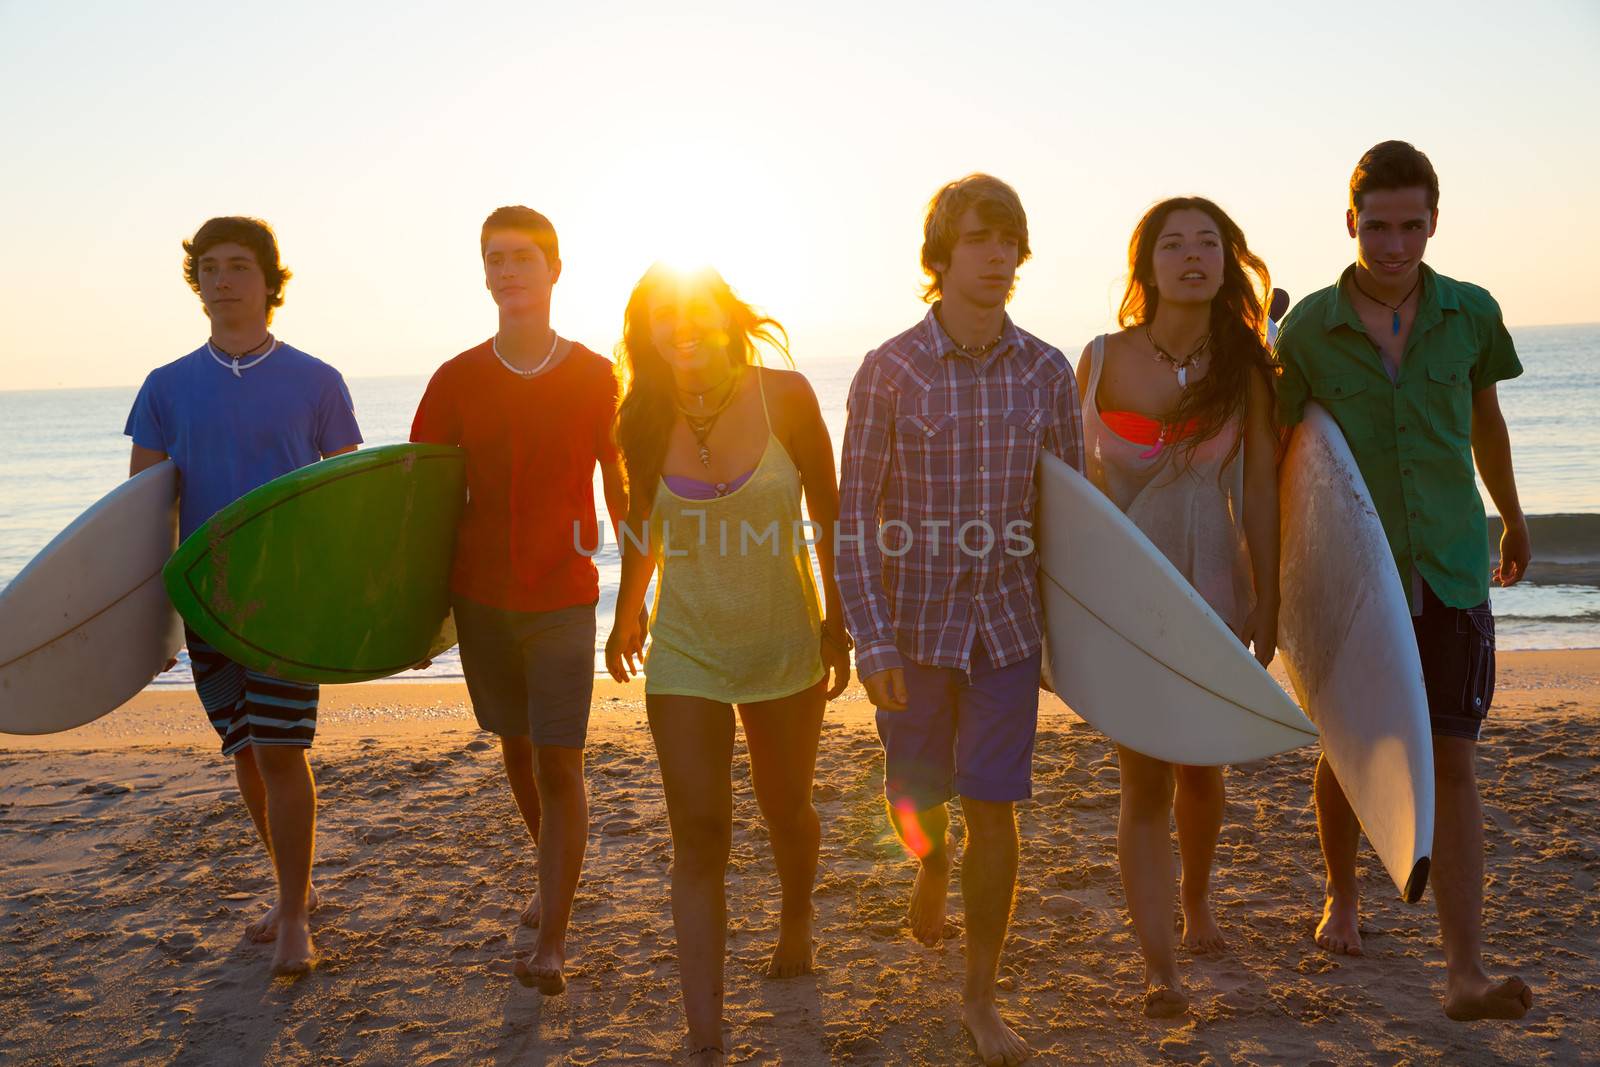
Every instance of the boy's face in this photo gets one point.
(232, 286)
(516, 273)
(1391, 229)
(983, 263)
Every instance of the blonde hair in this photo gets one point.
(997, 204)
(647, 410)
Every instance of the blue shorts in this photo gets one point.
(247, 707)
(967, 733)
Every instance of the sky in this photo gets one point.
(795, 147)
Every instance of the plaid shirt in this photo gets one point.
(939, 442)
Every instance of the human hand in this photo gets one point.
(625, 648)
(1261, 633)
(887, 689)
(1516, 551)
(835, 661)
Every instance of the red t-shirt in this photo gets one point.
(532, 445)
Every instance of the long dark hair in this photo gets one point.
(647, 410)
(1238, 319)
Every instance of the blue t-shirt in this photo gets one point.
(229, 435)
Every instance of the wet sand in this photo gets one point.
(129, 869)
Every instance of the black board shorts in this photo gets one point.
(1457, 650)
(529, 673)
(247, 707)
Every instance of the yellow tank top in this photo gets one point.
(736, 617)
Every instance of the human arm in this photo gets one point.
(615, 486)
(143, 459)
(625, 646)
(1491, 450)
(144, 423)
(1261, 516)
(865, 464)
(812, 448)
(337, 430)
(1292, 389)
(1065, 438)
(147, 428)
(1085, 368)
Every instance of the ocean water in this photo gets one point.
(60, 450)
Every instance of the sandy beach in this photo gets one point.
(129, 870)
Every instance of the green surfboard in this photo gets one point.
(336, 572)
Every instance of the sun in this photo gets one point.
(695, 208)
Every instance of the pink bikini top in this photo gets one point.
(1143, 430)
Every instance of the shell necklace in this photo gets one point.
(1180, 366)
(518, 371)
(217, 354)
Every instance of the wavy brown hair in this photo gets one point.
(251, 233)
(648, 409)
(1238, 319)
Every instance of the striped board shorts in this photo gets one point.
(247, 707)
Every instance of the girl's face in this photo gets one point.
(1188, 257)
(690, 330)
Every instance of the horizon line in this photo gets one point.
(382, 377)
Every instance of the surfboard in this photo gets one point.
(1136, 651)
(336, 572)
(1350, 649)
(87, 624)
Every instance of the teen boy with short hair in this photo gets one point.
(1406, 361)
(237, 412)
(533, 411)
(946, 425)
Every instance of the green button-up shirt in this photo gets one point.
(1411, 436)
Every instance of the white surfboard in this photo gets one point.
(87, 623)
(1350, 649)
(1136, 651)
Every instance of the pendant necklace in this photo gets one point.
(1394, 323)
(235, 366)
(700, 423)
(700, 396)
(975, 351)
(1180, 366)
(518, 371)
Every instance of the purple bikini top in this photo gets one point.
(695, 489)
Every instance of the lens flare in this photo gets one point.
(911, 832)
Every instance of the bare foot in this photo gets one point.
(792, 957)
(998, 1045)
(1483, 999)
(710, 1056)
(543, 971)
(530, 914)
(929, 898)
(265, 929)
(1201, 934)
(295, 955)
(1340, 930)
(1162, 1001)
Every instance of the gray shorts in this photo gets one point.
(529, 673)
